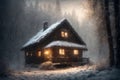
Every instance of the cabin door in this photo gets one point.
(48, 55)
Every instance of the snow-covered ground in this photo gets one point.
(74, 73)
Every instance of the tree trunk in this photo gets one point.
(110, 39)
(117, 26)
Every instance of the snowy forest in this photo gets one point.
(96, 21)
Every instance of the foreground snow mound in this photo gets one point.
(74, 73)
(47, 66)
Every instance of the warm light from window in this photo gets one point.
(64, 34)
(75, 52)
(61, 51)
(39, 53)
(27, 54)
(31, 54)
(46, 52)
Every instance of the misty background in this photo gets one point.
(22, 19)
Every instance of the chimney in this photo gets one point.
(45, 25)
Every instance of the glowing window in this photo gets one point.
(62, 52)
(76, 52)
(27, 53)
(31, 54)
(64, 34)
(39, 53)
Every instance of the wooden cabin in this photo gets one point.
(58, 43)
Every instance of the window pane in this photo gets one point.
(31, 54)
(27, 54)
(75, 52)
(61, 51)
(62, 34)
(39, 53)
(66, 34)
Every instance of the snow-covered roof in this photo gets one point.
(42, 34)
(65, 44)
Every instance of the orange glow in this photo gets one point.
(61, 51)
(75, 52)
(46, 52)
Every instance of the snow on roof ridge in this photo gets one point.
(41, 34)
(65, 44)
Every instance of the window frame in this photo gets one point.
(61, 52)
(39, 54)
(64, 33)
(76, 52)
